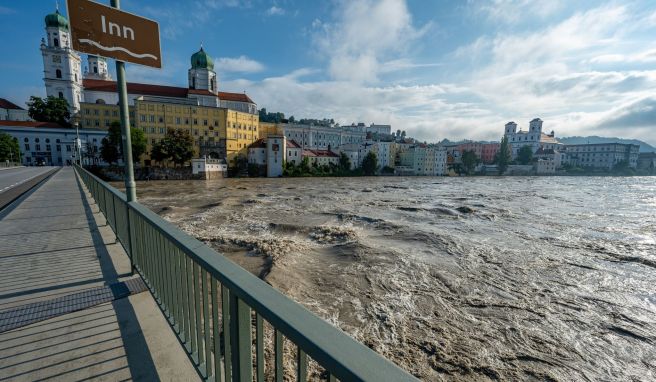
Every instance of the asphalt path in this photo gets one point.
(13, 177)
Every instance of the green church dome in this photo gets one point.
(56, 20)
(201, 60)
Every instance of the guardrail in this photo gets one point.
(212, 305)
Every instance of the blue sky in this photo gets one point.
(438, 69)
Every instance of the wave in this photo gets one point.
(117, 48)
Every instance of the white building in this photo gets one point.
(323, 137)
(321, 157)
(352, 151)
(53, 145)
(603, 155)
(62, 69)
(534, 137)
(209, 168)
(276, 150)
(9, 111)
(379, 129)
(257, 152)
(294, 152)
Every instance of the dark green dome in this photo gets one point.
(56, 20)
(201, 60)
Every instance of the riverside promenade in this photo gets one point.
(69, 308)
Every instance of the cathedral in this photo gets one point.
(222, 124)
(64, 78)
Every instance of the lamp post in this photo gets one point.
(78, 144)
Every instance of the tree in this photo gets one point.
(177, 146)
(502, 159)
(525, 154)
(370, 164)
(9, 148)
(139, 142)
(469, 161)
(344, 162)
(111, 149)
(52, 109)
(110, 146)
(240, 163)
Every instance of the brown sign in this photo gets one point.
(108, 32)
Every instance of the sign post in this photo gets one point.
(109, 32)
(106, 31)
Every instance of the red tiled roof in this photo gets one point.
(259, 144)
(5, 104)
(30, 124)
(161, 90)
(319, 153)
(293, 145)
(239, 97)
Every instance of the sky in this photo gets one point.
(437, 69)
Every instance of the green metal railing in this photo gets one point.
(218, 310)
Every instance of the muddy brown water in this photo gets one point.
(455, 279)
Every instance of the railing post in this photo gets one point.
(240, 335)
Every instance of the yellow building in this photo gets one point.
(270, 128)
(217, 132)
(222, 124)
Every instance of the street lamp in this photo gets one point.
(78, 144)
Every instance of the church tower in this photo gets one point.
(97, 69)
(201, 73)
(62, 72)
(536, 126)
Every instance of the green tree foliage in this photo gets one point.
(344, 162)
(139, 142)
(370, 164)
(469, 161)
(525, 155)
(52, 109)
(111, 148)
(271, 117)
(177, 146)
(503, 157)
(9, 149)
(240, 164)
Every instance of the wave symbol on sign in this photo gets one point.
(115, 48)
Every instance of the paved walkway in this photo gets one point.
(69, 310)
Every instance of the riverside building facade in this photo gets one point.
(533, 138)
(603, 155)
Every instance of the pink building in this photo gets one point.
(489, 151)
(476, 147)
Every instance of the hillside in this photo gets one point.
(644, 146)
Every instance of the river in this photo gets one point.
(455, 279)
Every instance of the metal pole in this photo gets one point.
(78, 145)
(130, 186)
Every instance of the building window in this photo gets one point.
(58, 73)
(48, 148)
(56, 41)
(161, 120)
(27, 146)
(177, 120)
(58, 147)
(61, 95)
(68, 148)
(152, 118)
(142, 118)
(37, 147)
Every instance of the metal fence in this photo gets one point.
(226, 318)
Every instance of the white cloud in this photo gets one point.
(514, 11)
(275, 11)
(363, 34)
(241, 64)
